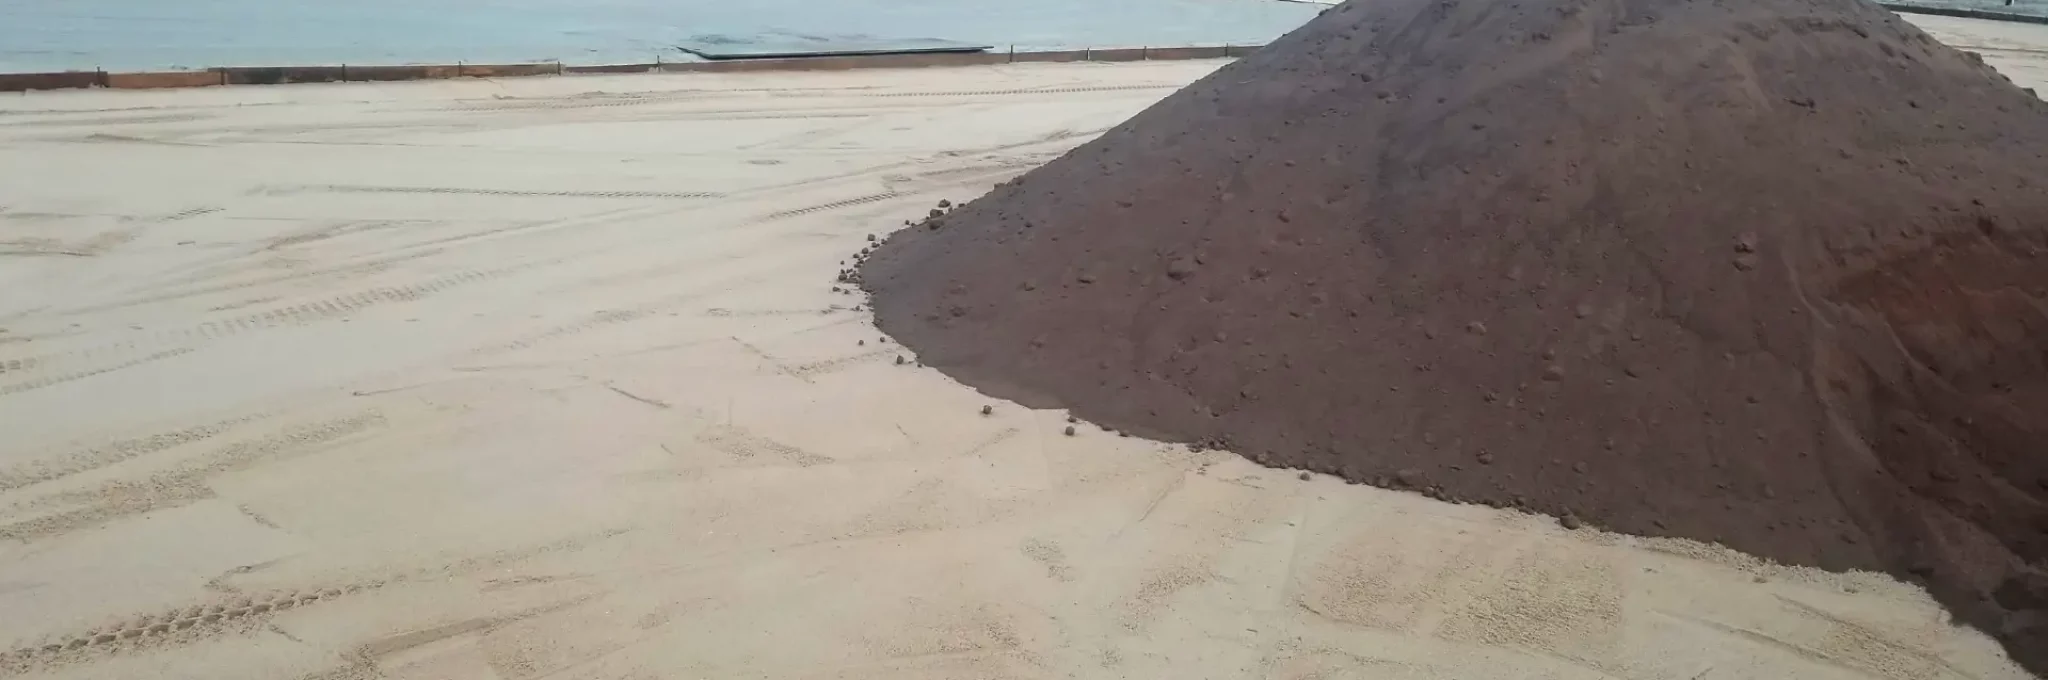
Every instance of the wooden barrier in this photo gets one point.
(23, 82)
(280, 75)
(1183, 53)
(613, 68)
(394, 73)
(1049, 57)
(922, 60)
(277, 75)
(507, 70)
(1134, 54)
(162, 79)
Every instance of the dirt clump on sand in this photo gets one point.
(1772, 274)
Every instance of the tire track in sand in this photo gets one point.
(171, 627)
(614, 317)
(334, 307)
(241, 613)
(986, 93)
(60, 513)
(59, 379)
(834, 205)
(469, 191)
(94, 457)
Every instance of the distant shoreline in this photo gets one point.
(148, 36)
(43, 41)
(1964, 12)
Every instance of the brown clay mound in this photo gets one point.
(1772, 273)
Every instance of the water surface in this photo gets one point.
(128, 35)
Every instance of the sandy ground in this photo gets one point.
(546, 378)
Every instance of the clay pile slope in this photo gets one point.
(1770, 273)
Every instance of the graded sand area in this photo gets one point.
(546, 378)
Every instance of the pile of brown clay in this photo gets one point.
(1769, 273)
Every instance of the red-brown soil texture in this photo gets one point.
(1769, 273)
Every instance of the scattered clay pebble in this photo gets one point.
(1306, 476)
(1745, 243)
(899, 361)
(871, 238)
(1570, 522)
(985, 410)
(944, 203)
(1072, 419)
(1485, 459)
(1069, 431)
(862, 343)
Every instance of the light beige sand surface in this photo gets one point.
(545, 378)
